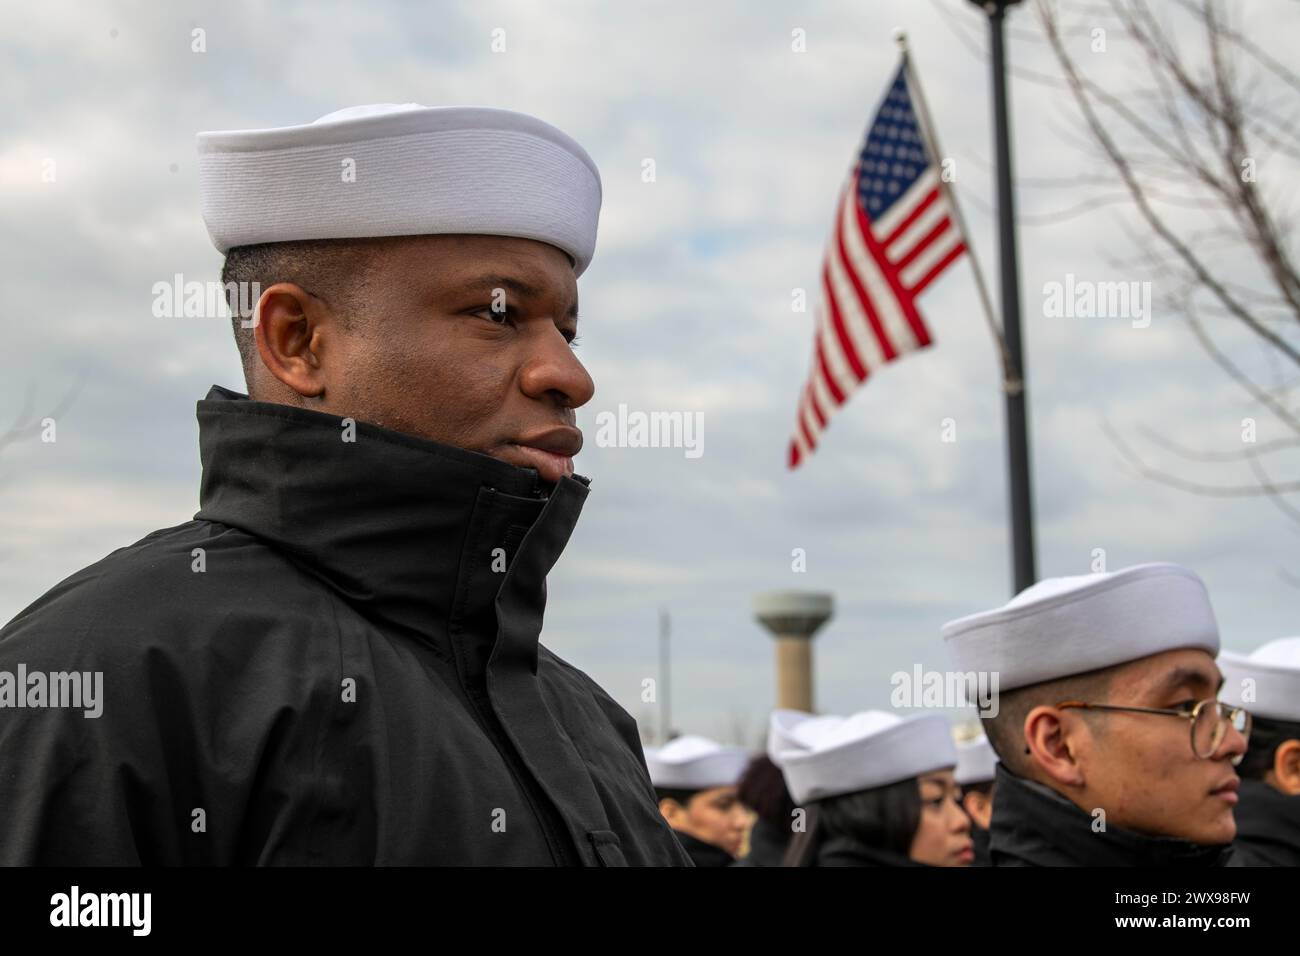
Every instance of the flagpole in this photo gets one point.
(932, 141)
(1024, 570)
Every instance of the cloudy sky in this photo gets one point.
(686, 307)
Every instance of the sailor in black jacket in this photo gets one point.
(877, 790)
(1114, 750)
(1267, 681)
(1033, 825)
(975, 773)
(338, 660)
(1268, 823)
(695, 780)
(762, 789)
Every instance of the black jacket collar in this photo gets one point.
(842, 851)
(404, 528)
(767, 844)
(1268, 826)
(1034, 825)
(980, 838)
(701, 853)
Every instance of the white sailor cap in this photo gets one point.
(1265, 682)
(401, 170)
(781, 726)
(1060, 627)
(827, 756)
(976, 761)
(695, 763)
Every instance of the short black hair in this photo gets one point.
(980, 786)
(1266, 735)
(884, 818)
(673, 793)
(335, 270)
(762, 789)
(1006, 731)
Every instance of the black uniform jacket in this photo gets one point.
(702, 853)
(980, 838)
(1268, 827)
(767, 844)
(1034, 825)
(335, 662)
(843, 851)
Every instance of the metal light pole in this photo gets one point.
(1022, 513)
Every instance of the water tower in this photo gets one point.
(793, 617)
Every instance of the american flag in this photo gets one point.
(894, 233)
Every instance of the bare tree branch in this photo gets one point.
(1084, 92)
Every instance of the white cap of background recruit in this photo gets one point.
(695, 763)
(828, 756)
(401, 170)
(781, 726)
(1265, 682)
(976, 761)
(1060, 627)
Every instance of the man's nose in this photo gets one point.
(1234, 742)
(552, 369)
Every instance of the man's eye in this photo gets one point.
(1187, 706)
(499, 316)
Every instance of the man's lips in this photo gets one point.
(564, 440)
(550, 452)
(1227, 790)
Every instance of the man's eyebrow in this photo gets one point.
(512, 284)
(1180, 676)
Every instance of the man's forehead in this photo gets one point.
(456, 246)
(470, 262)
(521, 281)
(521, 286)
(1168, 671)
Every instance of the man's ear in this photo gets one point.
(1052, 739)
(1286, 767)
(978, 807)
(290, 329)
(670, 809)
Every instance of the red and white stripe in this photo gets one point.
(866, 314)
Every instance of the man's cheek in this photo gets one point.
(483, 389)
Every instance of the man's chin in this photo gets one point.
(1221, 829)
(1211, 829)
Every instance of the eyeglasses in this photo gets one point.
(1209, 718)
